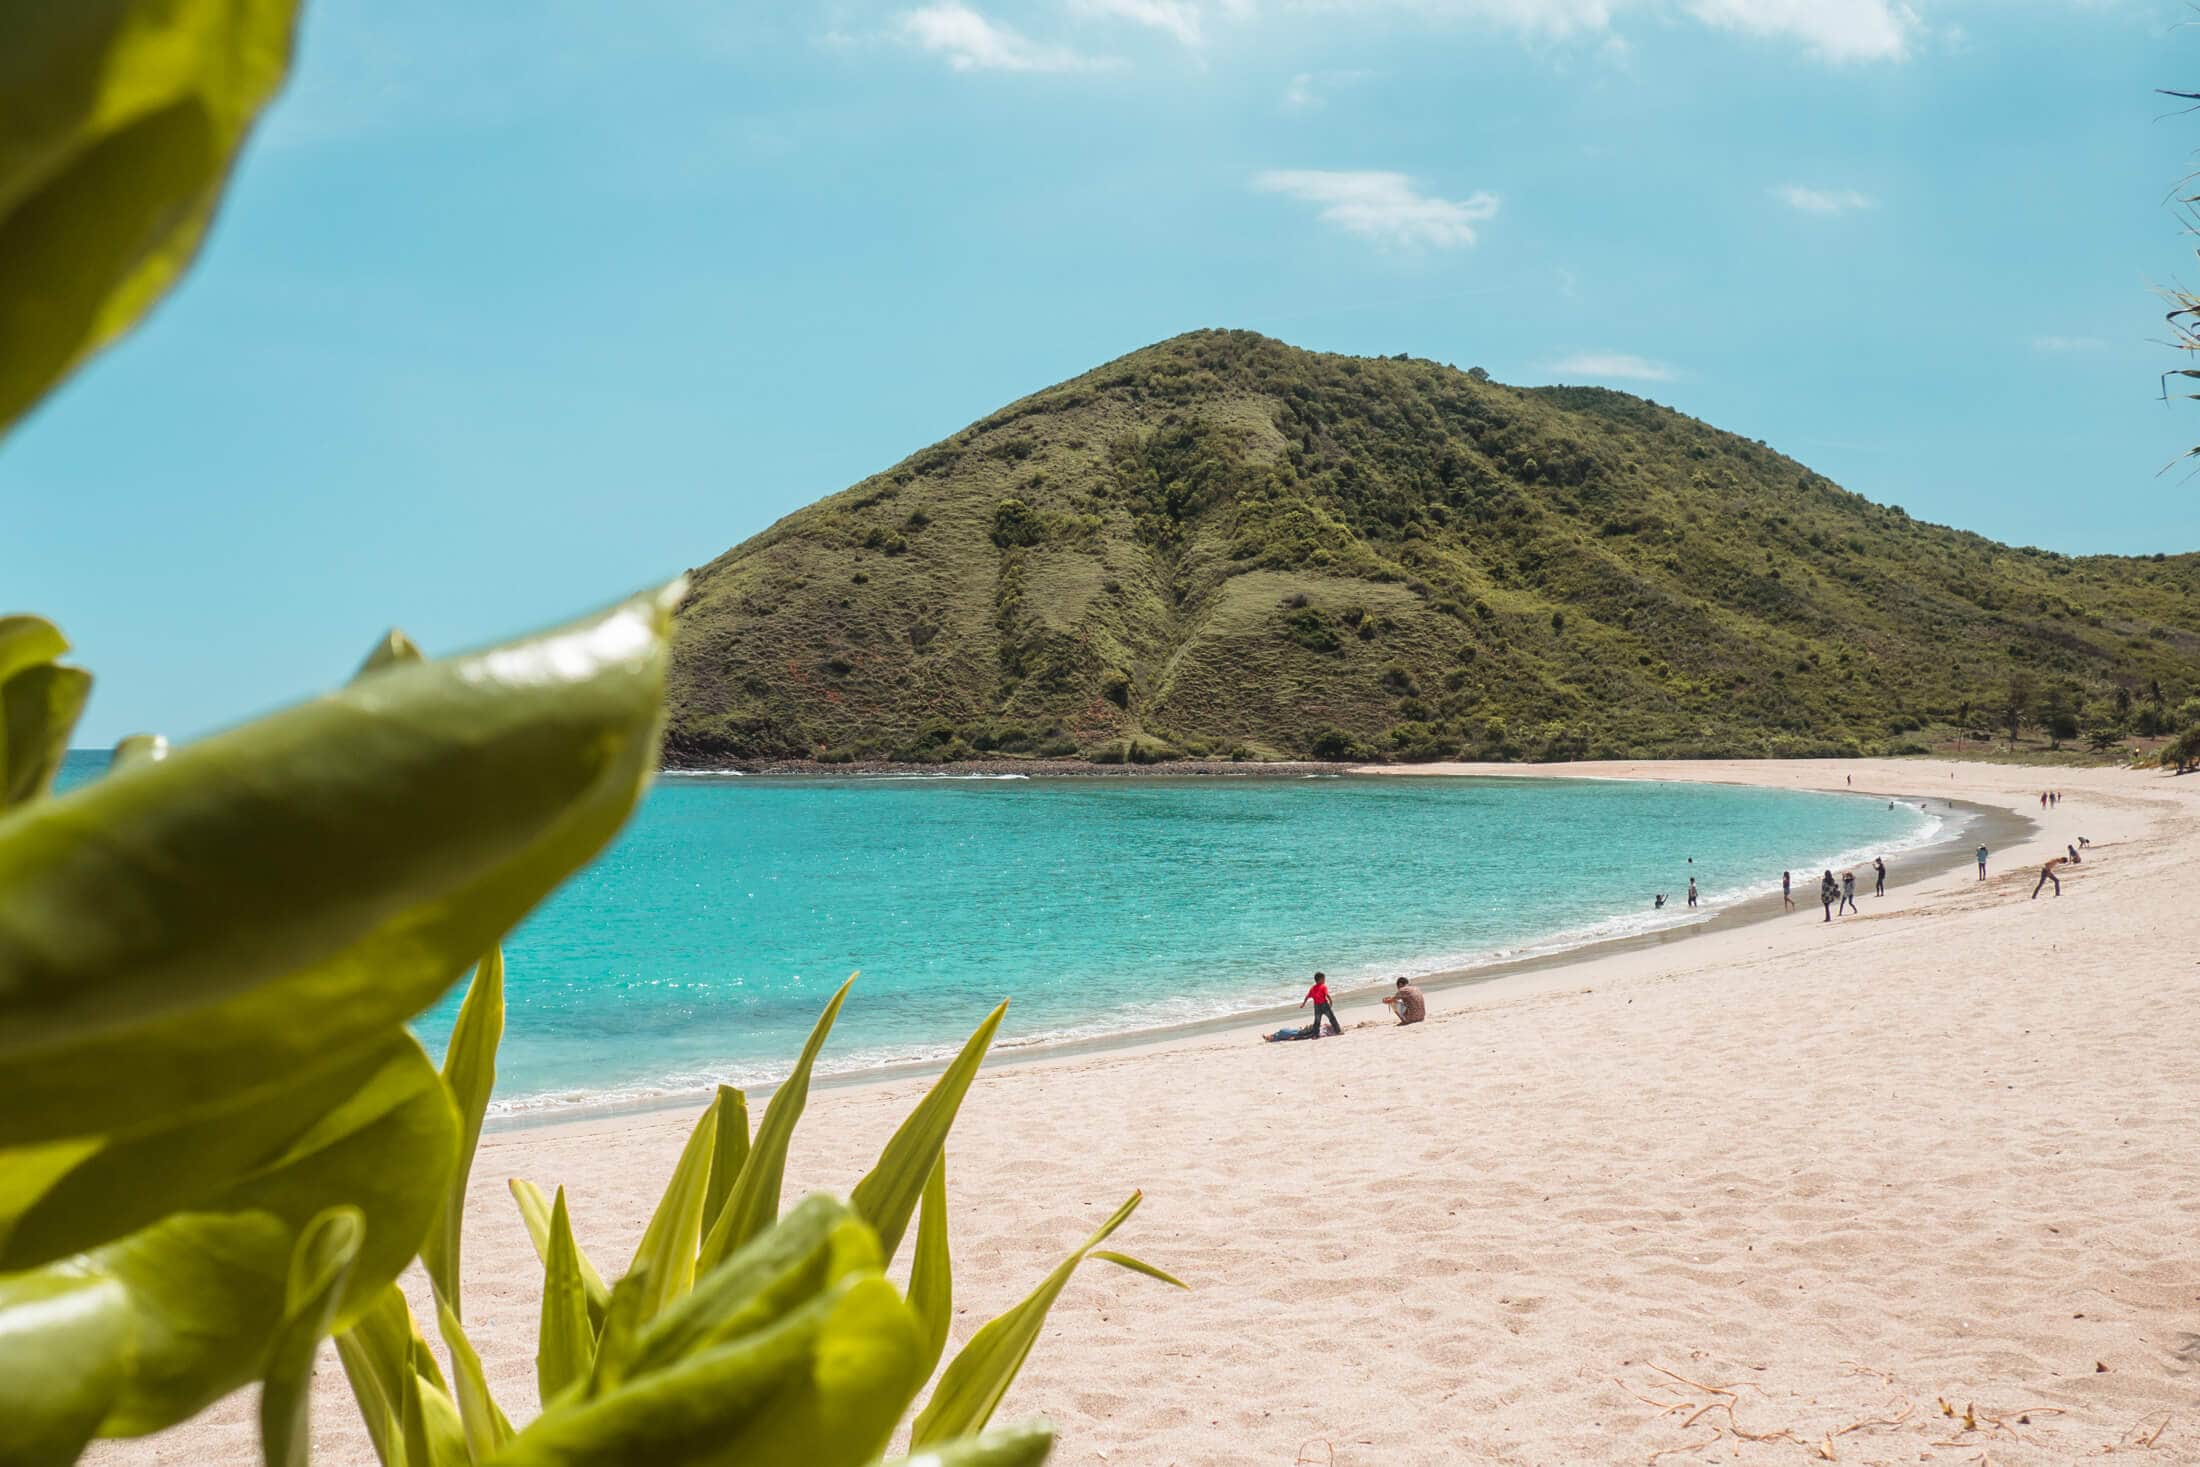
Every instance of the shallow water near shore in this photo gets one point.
(699, 948)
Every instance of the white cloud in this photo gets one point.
(1837, 30)
(1178, 18)
(1612, 364)
(2064, 344)
(970, 42)
(1823, 200)
(1382, 206)
(1311, 89)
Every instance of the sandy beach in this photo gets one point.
(1765, 1196)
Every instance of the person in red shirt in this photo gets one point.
(1318, 996)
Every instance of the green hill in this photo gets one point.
(1224, 544)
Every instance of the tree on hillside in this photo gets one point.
(2016, 703)
(2058, 716)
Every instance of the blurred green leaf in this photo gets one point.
(820, 1387)
(394, 649)
(116, 1186)
(137, 749)
(888, 1195)
(470, 1070)
(39, 703)
(667, 1250)
(121, 122)
(40, 706)
(932, 1272)
(397, 1384)
(772, 1273)
(486, 1429)
(731, 1155)
(64, 1354)
(1024, 1445)
(565, 1342)
(400, 826)
(971, 1388)
(754, 1201)
(202, 1294)
(318, 1267)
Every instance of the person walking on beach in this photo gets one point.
(1407, 1003)
(1982, 863)
(1848, 891)
(1879, 869)
(1318, 996)
(1829, 892)
(2047, 874)
(1787, 891)
(1691, 891)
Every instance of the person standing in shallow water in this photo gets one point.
(1829, 892)
(1318, 996)
(1691, 891)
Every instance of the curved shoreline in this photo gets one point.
(1995, 826)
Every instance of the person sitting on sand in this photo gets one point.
(1407, 1002)
(2073, 850)
(2047, 874)
(1848, 891)
(1879, 883)
(1787, 891)
(1287, 1032)
(1318, 996)
(1829, 892)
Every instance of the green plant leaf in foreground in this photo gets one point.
(731, 1155)
(486, 1429)
(399, 826)
(931, 1271)
(120, 123)
(39, 703)
(535, 1211)
(754, 1200)
(565, 1340)
(470, 1071)
(182, 1311)
(399, 1388)
(888, 1194)
(318, 1267)
(135, 749)
(667, 1250)
(1022, 1445)
(821, 1387)
(975, 1381)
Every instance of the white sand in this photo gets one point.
(1729, 1199)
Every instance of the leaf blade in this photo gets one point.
(470, 1072)
(888, 1193)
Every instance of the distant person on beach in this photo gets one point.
(1407, 1003)
(1829, 892)
(1659, 904)
(1318, 996)
(1982, 863)
(1879, 869)
(2047, 874)
(1787, 890)
(1848, 891)
(2073, 854)
(1691, 891)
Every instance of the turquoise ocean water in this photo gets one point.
(699, 948)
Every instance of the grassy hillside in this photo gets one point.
(1224, 544)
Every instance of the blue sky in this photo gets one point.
(501, 321)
